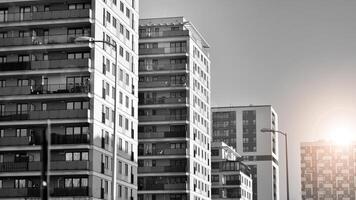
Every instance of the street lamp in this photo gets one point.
(266, 130)
(86, 39)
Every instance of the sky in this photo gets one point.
(297, 55)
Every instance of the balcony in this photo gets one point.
(159, 186)
(44, 89)
(74, 191)
(70, 139)
(164, 34)
(45, 64)
(157, 84)
(35, 192)
(44, 115)
(168, 134)
(19, 192)
(15, 141)
(153, 118)
(158, 152)
(162, 100)
(163, 50)
(163, 67)
(38, 40)
(36, 166)
(162, 169)
(47, 15)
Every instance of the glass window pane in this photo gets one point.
(77, 105)
(70, 106)
(77, 130)
(85, 156)
(69, 156)
(68, 182)
(84, 182)
(76, 182)
(76, 156)
(69, 131)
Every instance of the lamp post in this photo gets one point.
(266, 130)
(85, 39)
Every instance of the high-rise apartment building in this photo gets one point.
(328, 170)
(231, 179)
(239, 127)
(174, 110)
(54, 66)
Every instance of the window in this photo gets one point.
(2, 109)
(128, 12)
(120, 120)
(126, 124)
(3, 34)
(77, 105)
(108, 17)
(127, 34)
(76, 156)
(23, 58)
(127, 102)
(3, 15)
(120, 97)
(22, 108)
(114, 22)
(121, 51)
(20, 183)
(121, 75)
(121, 6)
(78, 6)
(78, 55)
(21, 132)
(2, 83)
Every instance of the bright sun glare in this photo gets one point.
(341, 133)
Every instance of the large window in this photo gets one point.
(4, 15)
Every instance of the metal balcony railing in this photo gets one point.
(39, 40)
(36, 166)
(148, 118)
(41, 115)
(162, 50)
(160, 186)
(168, 134)
(164, 34)
(160, 169)
(162, 67)
(45, 15)
(157, 84)
(157, 152)
(162, 100)
(44, 89)
(45, 64)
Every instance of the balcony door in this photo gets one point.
(24, 12)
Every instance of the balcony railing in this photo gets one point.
(70, 139)
(19, 192)
(163, 50)
(47, 15)
(156, 84)
(163, 67)
(36, 166)
(159, 186)
(158, 152)
(168, 134)
(160, 169)
(40, 115)
(162, 100)
(164, 34)
(74, 191)
(35, 192)
(15, 141)
(45, 64)
(44, 89)
(38, 40)
(148, 118)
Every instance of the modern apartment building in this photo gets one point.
(328, 170)
(231, 179)
(174, 110)
(239, 127)
(89, 97)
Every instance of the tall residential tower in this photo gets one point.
(174, 111)
(239, 127)
(54, 66)
(328, 170)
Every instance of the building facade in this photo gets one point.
(328, 170)
(240, 127)
(231, 179)
(174, 109)
(89, 96)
